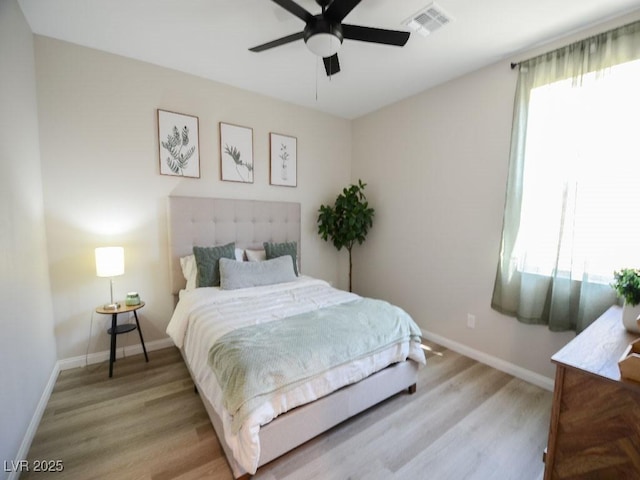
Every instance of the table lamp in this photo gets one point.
(110, 263)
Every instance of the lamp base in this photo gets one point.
(111, 306)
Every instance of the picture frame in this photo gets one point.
(178, 144)
(236, 153)
(283, 164)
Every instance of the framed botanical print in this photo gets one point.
(236, 153)
(283, 160)
(178, 144)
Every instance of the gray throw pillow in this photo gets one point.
(274, 250)
(207, 261)
(234, 275)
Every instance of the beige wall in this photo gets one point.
(436, 165)
(102, 184)
(27, 344)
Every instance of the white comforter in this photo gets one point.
(205, 314)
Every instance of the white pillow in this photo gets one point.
(234, 275)
(190, 268)
(256, 255)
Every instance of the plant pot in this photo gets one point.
(630, 315)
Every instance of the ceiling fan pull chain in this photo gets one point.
(330, 72)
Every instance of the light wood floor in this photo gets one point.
(466, 421)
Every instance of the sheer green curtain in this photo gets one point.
(571, 169)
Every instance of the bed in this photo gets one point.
(269, 425)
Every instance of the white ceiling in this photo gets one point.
(210, 38)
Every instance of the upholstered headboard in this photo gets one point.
(214, 221)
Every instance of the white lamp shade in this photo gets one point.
(109, 261)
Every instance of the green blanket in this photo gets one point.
(252, 363)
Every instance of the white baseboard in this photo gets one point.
(495, 362)
(98, 357)
(23, 451)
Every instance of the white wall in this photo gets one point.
(102, 184)
(436, 165)
(27, 344)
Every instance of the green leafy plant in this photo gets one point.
(626, 283)
(348, 221)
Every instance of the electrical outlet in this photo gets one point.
(471, 320)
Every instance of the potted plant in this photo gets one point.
(348, 221)
(626, 283)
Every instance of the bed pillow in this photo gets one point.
(274, 250)
(234, 275)
(208, 263)
(189, 270)
(256, 255)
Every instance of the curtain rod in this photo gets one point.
(516, 64)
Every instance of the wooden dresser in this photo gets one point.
(595, 417)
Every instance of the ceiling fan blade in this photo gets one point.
(295, 9)
(331, 65)
(276, 43)
(375, 35)
(340, 9)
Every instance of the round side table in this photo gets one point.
(116, 329)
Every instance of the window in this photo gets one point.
(580, 209)
(573, 195)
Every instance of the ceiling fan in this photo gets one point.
(323, 33)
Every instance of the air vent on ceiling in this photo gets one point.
(428, 20)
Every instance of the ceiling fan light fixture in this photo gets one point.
(324, 44)
(323, 38)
